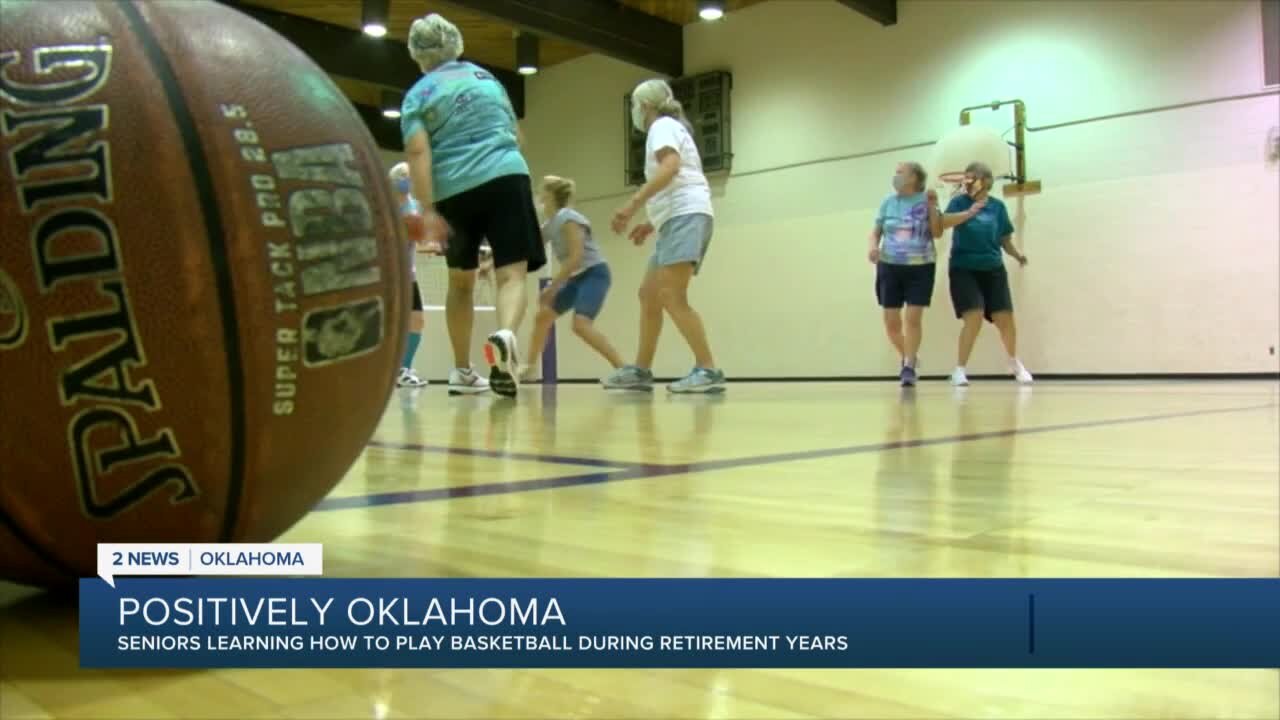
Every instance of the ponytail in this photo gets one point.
(672, 108)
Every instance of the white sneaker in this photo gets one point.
(1020, 372)
(958, 378)
(500, 352)
(528, 374)
(465, 381)
(408, 378)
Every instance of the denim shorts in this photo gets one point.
(585, 292)
(683, 238)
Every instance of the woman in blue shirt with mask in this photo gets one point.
(905, 258)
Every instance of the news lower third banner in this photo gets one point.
(218, 622)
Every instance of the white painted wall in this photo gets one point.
(1155, 246)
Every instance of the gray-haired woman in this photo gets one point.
(904, 255)
(979, 283)
(677, 199)
(462, 143)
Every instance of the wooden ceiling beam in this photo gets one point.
(884, 12)
(604, 26)
(385, 132)
(350, 53)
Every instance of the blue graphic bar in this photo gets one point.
(694, 623)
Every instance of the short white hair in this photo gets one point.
(399, 171)
(434, 41)
(652, 93)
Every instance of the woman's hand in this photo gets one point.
(622, 218)
(547, 297)
(437, 229)
(640, 233)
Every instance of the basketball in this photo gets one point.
(203, 283)
(416, 227)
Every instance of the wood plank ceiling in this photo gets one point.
(488, 41)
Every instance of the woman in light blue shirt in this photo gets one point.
(905, 258)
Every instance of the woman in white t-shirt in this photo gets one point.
(677, 199)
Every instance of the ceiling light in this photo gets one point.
(527, 54)
(391, 102)
(373, 17)
(710, 9)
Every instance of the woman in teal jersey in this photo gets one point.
(462, 143)
(979, 283)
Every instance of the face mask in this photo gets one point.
(637, 116)
(898, 182)
(402, 186)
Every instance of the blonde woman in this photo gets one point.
(677, 199)
(582, 281)
(462, 144)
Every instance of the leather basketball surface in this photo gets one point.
(203, 282)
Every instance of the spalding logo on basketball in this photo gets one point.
(202, 283)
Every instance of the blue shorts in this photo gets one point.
(682, 239)
(585, 292)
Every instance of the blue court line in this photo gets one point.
(502, 454)
(629, 471)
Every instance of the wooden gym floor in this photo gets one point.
(827, 480)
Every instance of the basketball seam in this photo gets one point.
(209, 208)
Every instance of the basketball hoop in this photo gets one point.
(954, 180)
(965, 145)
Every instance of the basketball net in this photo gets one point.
(952, 181)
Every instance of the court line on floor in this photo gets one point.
(503, 454)
(641, 471)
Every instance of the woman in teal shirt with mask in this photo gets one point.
(979, 282)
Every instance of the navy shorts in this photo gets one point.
(417, 297)
(985, 290)
(585, 292)
(500, 211)
(898, 285)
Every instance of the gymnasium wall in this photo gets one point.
(1154, 248)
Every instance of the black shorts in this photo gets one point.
(500, 211)
(898, 285)
(417, 296)
(986, 290)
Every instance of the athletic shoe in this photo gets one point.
(1020, 372)
(465, 381)
(958, 378)
(907, 376)
(699, 380)
(528, 374)
(629, 377)
(408, 378)
(500, 352)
